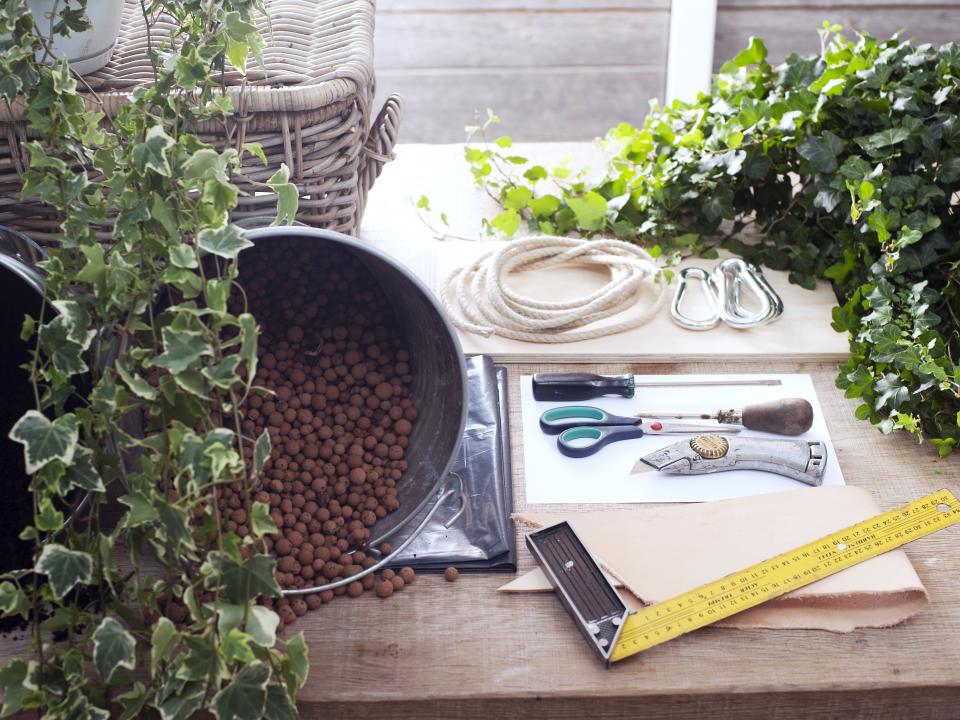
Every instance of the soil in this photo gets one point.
(338, 411)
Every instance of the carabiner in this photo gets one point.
(709, 290)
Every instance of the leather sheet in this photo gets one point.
(658, 552)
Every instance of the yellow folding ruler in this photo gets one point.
(615, 634)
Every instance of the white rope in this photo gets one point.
(478, 299)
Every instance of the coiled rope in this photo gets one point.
(478, 299)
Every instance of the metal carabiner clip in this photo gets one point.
(724, 288)
(709, 290)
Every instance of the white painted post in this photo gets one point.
(693, 24)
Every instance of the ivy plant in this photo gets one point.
(843, 165)
(139, 374)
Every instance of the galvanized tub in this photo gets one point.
(439, 389)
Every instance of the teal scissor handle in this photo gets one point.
(596, 438)
(565, 417)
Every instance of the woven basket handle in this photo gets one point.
(378, 149)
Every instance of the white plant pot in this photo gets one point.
(90, 50)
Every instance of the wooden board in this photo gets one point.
(391, 223)
(553, 70)
(792, 26)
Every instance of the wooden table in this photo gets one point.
(462, 650)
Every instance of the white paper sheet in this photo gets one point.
(605, 477)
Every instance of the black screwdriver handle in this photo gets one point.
(580, 386)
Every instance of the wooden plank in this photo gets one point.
(534, 103)
(462, 650)
(795, 30)
(542, 6)
(392, 224)
(907, 6)
(521, 39)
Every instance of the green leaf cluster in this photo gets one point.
(843, 165)
(140, 371)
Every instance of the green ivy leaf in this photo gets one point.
(288, 197)
(113, 648)
(279, 706)
(821, 152)
(261, 451)
(45, 441)
(223, 374)
(181, 349)
(298, 662)
(151, 154)
(83, 474)
(245, 696)
(261, 523)
(517, 198)
(19, 692)
(13, 601)
(507, 222)
(225, 242)
(755, 53)
(235, 647)
(245, 582)
(141, 510)
(261, 625)
(48, 519)
(64, 568)
(163, 642)
(137, 384)
(590, 210)
(183, 704)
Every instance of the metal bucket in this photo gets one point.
(439, 389)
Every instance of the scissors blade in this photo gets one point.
(665, 428)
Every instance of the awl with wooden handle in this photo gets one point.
(584, 386)
(788, 416)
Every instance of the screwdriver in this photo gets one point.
(585, 386)
(788, 416)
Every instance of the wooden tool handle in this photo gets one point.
(789, 416)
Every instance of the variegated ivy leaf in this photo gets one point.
(245, 697)
(44, 440)
(261, 624)
(65, 354)
(288, 197)
(113, 648)
(279, 706)
(152, 152)
(82, 473)
(182, 348)
(261, 451)
(261, 523)
(64, 568)
(225, 242)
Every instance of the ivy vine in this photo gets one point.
(843, 165)
(158, 611)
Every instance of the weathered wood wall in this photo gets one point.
(569, 69)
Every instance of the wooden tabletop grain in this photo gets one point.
(462, 650)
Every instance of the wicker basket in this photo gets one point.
(310, 110)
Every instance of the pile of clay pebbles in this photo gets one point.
(336, 401)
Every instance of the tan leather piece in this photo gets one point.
(661, 551)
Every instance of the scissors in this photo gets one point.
(582, 430)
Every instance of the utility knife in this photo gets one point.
(801, 460)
